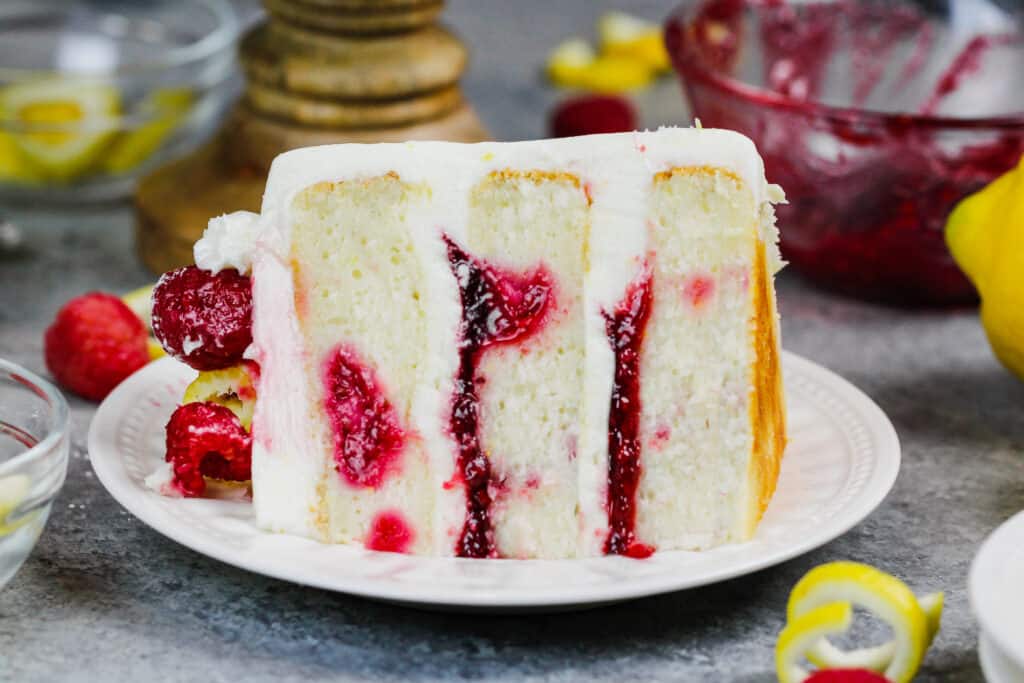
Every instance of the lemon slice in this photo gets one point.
(168, 108)
(13, 165)
(141, 302)
(154, 349)
(231, 387)
(624, 35)
(883, 595)
(573, 64)
(13, 490)
(61, 126)
(803, 632)
(569, 61)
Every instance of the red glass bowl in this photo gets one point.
(875, 116)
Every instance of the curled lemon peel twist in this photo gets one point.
(821, 605)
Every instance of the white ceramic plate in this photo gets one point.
(841, 461)
(996, 587)
(995, 664)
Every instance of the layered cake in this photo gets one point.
(551, 349)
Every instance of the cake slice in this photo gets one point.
(712, 420)
(360, 303)
(552, 349)
(529, 229)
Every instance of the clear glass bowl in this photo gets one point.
(94, 93)
(875, 116)
(34, 444)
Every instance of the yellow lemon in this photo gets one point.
(985, 233)
(167, 109)
(13, 490)
(624, 35)
(632, 53)
(61, 127)
(569, 61)
(574, 64)
(616, 74)
(13, 165)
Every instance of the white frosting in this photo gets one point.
(443, 316)
(160, 480)
(228, 242)
(188, 344)
(288, 462)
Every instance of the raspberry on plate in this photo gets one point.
(590, 114)
(207, 440)
(203, 319)
(94, 343)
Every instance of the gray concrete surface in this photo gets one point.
(104, 598)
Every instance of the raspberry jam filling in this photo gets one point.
(625, 329)
(498, 307)
(390, 532)
(367, 435)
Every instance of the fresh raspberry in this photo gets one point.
(207, 439)
(94, 343)
(845, 676)
(203, 319)
(592, 114)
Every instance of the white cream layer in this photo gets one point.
(228, 242)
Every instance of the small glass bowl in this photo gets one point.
(875, 116)
(95, 93)
(34, 444)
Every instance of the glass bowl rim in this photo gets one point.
(762, 97)
(59, 409)
(221, 38)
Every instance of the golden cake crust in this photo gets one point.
(535, 176)
(767, 405)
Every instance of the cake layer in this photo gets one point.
(698, 361)
(545, 349)
(531, 391)
(358, 282)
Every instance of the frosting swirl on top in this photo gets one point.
(228, 242)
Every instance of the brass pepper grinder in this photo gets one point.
(317, 72)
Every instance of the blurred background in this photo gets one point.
(876, 117)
